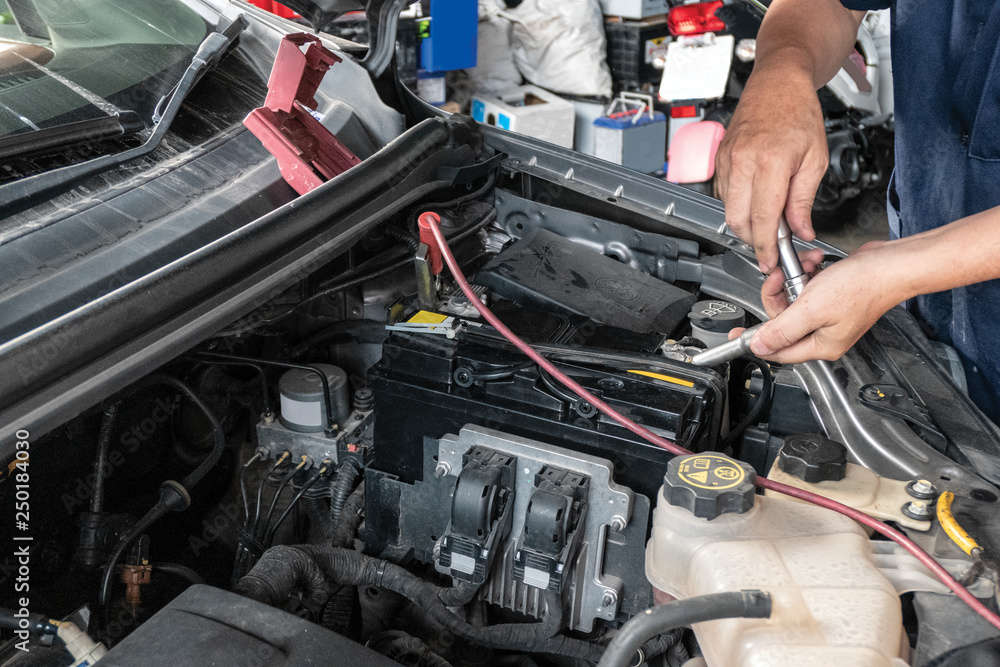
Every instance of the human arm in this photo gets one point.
(843, 301)
(774, 154)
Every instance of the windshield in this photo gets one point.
(63, 61)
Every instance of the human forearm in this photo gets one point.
(962, 253)
(841, 302)
(807, 37)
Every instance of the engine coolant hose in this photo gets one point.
(883, 529)
(678, 614)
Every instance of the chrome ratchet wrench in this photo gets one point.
(795, 281)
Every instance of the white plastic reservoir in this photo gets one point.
(832, 607)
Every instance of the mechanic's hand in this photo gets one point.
(772, 160)
(838, 305)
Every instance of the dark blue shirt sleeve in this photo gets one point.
(866, 5)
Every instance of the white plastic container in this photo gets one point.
(832, 607)
(528, 110)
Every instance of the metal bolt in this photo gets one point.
(874, 393)
(442, 469)
(918, 509)
(921, 489)
(618, 523)
(268, 417)
(610, 598)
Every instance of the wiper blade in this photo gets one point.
(124, 124)
(20, 194)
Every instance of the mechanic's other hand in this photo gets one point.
(772, 160)
(838, 305)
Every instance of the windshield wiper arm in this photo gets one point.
(124, 124)
(20, 194)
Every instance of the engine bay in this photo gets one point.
(365, 452)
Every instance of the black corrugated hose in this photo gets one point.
(341, 487)
(283, 568)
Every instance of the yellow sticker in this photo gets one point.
(711, 471)
(665, 378)
(427, 317)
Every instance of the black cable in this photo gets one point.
(305, 487)
(501, 373)
(398, 235)
(621, 652)
(351, 280)
(451, 204)
(101, 462)
(257, 367)
(331, 423)
(763, 400)
(179, 570)
(277, 494)
(243, 488)
(556, 389)
(174, 496)
(247, 539)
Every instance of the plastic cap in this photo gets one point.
(709, 485)
(427, 238)
(717, 316)
(813, 457)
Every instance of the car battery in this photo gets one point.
(634, 9)
(528, 110)
(636, 51)
(427, 385)
(632, 133)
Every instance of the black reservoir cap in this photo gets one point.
(813, 457)
(717, 316)
(709, 485)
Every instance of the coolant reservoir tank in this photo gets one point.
(832, 606)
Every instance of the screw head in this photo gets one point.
(618, 524)
(442, 469)
(922, 489)
(918, 509)
(609, 599)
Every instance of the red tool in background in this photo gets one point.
(308, 154)
(275, 8)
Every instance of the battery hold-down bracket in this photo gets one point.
(308, 154)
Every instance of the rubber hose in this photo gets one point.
(101, 463)
(273, 583)
(319, 516)
(341, 487)
(278, 572)
(36, 624)
(179, 570)
(681, 613)
(346, 528)
(766, 390)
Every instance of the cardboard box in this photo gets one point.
(528, 110)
